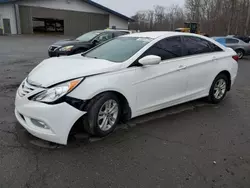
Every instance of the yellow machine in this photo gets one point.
(190, 27)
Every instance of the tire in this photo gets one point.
(214, 97)
(93, 121)
(240, 53)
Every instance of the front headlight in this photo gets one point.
(55, 93)
(66, 48)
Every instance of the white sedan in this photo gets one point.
(124, 78)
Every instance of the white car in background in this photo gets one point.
(124, 78)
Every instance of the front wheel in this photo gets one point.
(218, 89)
(103, 115)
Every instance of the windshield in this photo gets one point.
(119, 49)
(88, 36)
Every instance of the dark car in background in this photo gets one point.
(240, 47)
(83, 42)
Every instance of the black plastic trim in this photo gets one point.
(76, 103)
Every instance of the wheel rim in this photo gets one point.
(240, 54)
(107, 115)
(220, 88)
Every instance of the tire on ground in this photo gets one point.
(90, 120)
(211, 97)
(240, 53)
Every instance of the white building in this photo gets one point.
(70, 17)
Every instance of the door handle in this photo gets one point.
(214, 58)
(182, 67)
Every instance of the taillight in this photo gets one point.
(236, 58)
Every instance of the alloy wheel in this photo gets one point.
(220, 89)
(108, 115)
(240, 54)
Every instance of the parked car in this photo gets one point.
(238, 45)
(123, 78)
(246, 39)
(83, 42)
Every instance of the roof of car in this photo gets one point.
(156, 34)
(152, 35)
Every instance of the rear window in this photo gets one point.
(196, 45)
(215, 48)
(120, 33)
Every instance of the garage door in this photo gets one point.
(74, 23)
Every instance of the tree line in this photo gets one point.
(216, 17)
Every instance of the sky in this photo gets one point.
(130, 7)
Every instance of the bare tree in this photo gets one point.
(216, 17)
(248, 18)
(233, 8)
(193, 8)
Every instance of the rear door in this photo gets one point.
(201, 56)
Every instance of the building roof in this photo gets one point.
(108, 10)
(97, 5)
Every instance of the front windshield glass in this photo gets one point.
(88, 36)
(119, 49)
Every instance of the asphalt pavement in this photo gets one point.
(194, 145)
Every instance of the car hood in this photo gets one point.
(68, 42)
(55, 70)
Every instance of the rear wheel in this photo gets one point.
(103, 115)
(218, 89)
(240, 53)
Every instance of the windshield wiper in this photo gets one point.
(84, 55)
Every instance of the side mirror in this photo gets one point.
(150, 60)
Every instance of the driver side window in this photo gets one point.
(167, 48)
(104, 37)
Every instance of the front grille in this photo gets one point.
(26, 88)
(53, 48)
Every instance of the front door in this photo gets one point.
(6, 26)
(162, 85)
